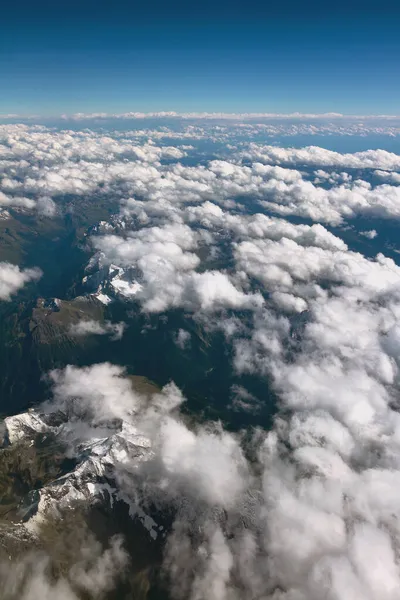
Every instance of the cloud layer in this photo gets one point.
(38, 165)
(309, 509)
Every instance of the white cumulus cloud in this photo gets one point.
(12, 279)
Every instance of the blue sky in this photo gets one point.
(212, 56)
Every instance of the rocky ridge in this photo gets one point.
(92, 476)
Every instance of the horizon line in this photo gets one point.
(81, 116)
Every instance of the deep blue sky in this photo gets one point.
(234, 56)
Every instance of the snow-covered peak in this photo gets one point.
(109, 281)
(97, 460)
(25, 425)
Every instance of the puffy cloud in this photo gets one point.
(288, 302)
(335, 204)
(286, 266)
(93, 572)
(332, 177)
(165, 263)
(16, 201)
(388, 176)
(46, 206)
(90, 327)
(261, 226)
(244, 400)
(12, 279)
(97, 393)
(370, 234)
(183, 339)
(313, 156)
(209, 464)
(213, 290)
